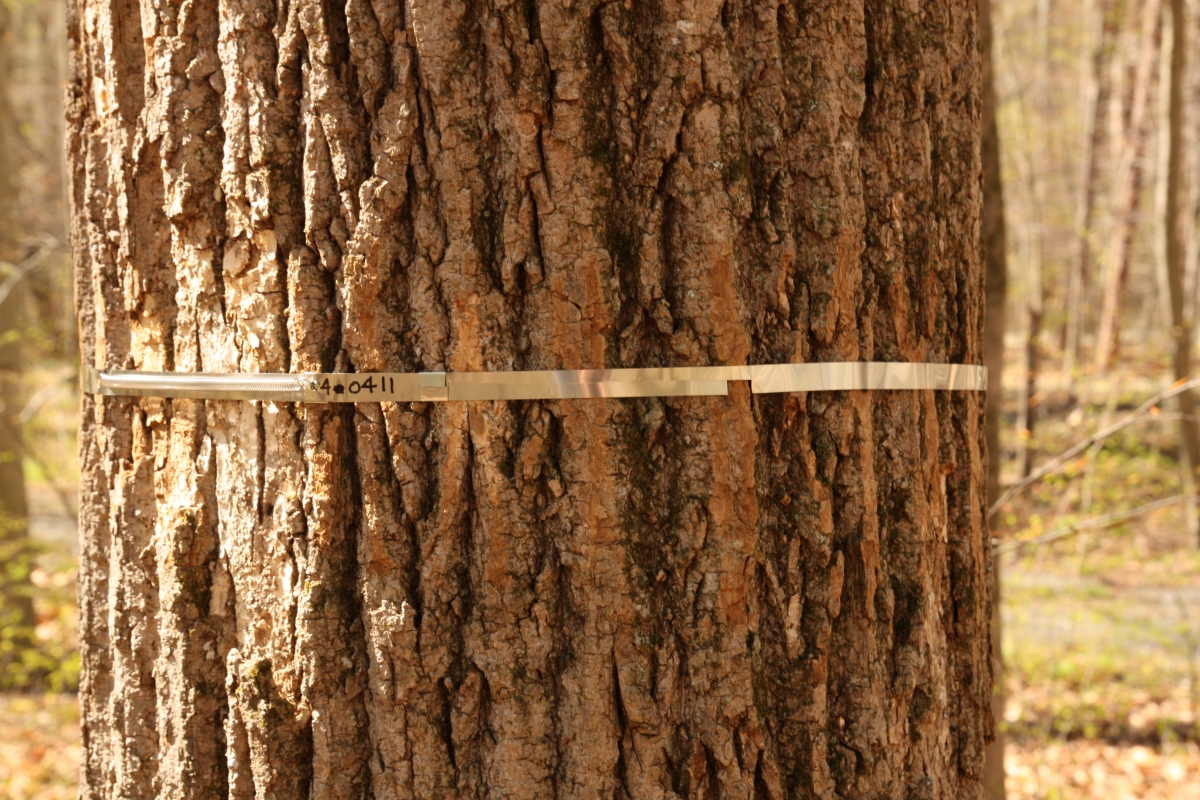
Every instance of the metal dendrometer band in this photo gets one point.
(400, 387)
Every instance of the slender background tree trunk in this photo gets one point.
(1095, 90)
(1036, 304)
(1181, 324)
(1127, 191)
(995, 254)
(770, 596)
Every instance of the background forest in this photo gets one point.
(1098, 535)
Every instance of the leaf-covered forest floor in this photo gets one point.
(1101, 702)
(1101, 629)
(39, 746)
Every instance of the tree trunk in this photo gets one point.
(1029, 396)
(995, 255)
(1128, 184)
(1181, 324)
(737, 597)
(1095, 90)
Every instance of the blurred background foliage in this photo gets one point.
(38, 402)
(1101, 607)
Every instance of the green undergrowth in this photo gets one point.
(39, 653)
(1102, 627)
(38, 612)
(1088, 661)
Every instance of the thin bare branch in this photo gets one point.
(1055, 464)
(28, 265)
(27, 452)
(45, 395)
(1102, 521)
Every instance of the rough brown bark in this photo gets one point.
(741, 597)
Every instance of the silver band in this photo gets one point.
(402, 387)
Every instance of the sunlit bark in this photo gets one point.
(736, 597)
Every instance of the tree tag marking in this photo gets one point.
(568, 384)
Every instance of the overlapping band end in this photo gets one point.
(865, 376)
(280, 387)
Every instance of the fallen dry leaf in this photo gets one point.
(1095, 770)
